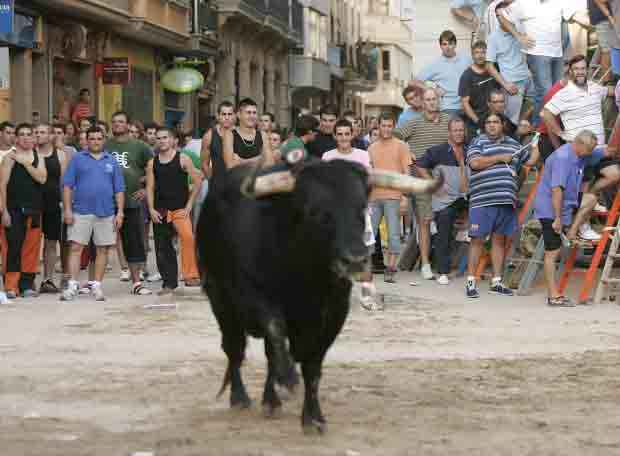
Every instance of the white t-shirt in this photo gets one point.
(357, 155)
(542, 21)
(580, 109)
(491, 18)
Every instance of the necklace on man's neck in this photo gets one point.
(248, 142)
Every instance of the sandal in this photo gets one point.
(140, 290)
(560, 301)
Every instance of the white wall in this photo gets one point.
(4, 68)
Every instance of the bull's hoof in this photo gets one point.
(272, 411)
(314, 427)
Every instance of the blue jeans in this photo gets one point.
(545, 72)
(390, 208)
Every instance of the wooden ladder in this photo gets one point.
(591, 272)
(607, 285)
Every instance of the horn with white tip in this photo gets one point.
(403, 182)
(268, 184)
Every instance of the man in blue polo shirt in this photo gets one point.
(557, 196)
(92, 183)
(495, 161)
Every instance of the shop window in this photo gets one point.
(138, 95)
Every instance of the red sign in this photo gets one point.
(116, 71)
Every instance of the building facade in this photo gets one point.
(308, 65)
(256, 37)
(59, 47)
(385, 28)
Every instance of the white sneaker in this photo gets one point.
(443, 280)
(154, 277)
(70, 293)
(125, 275)
(427, 272)
(98, 292)
(3, 298)
(587, 233)
(600, 208)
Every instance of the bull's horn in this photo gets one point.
(404, 183)
(268, 184)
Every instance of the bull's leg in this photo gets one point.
(233, 343)
(275, 336)
(272, 405)
(312, 420)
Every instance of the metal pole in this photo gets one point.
(195, 19)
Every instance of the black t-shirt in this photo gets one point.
(321, 144)
(595, 13)
(477, 87)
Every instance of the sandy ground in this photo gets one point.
(435, 374)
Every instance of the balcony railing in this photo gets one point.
(278, 9)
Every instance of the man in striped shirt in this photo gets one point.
(494, 160)
(421, 134)
(578, 104)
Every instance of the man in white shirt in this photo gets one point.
(578, 104)
(541, 21)
(7, 138)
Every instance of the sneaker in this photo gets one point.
(500, 289)
(86, 289)
(125, 275)
(389, 275)
(471, 291)
(427, 272)
(165, 291)
(70, 293)
(560, 301)
(443, 280)
(3, 298)
(192, 283)
(47, 286)
(154, 277)
(30, 293)
(142, 276)
(600, 208)
(587, 233)
(98, 292)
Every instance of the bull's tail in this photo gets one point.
(226, 382)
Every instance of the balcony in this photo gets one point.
(335, 60)
(308, 73)
(274, 15)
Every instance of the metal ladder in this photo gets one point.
(609, 286)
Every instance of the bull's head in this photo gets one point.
(331, 198)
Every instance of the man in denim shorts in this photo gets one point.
(93, 198)
(494, 160)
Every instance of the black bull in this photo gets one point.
(278, 268)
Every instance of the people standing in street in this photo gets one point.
(415, 106)
(474, 87)
(267, 122)
(557, 197)
(513, 75)
(445, 73)
(7, 139)
(494, 160)
(245, 143)
(449, 202)
(93, 200)
(55, 164)
(388, 154)
(133, 157)
(21, 178)
(295, 148)
(82, 108)
(170, 203)
(325, 140)
(421, 134)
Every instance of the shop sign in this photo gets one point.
(116, 71)
(7, 10)
(182, 80)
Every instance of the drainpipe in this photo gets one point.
(196, 21)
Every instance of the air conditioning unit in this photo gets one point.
(73, 44)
